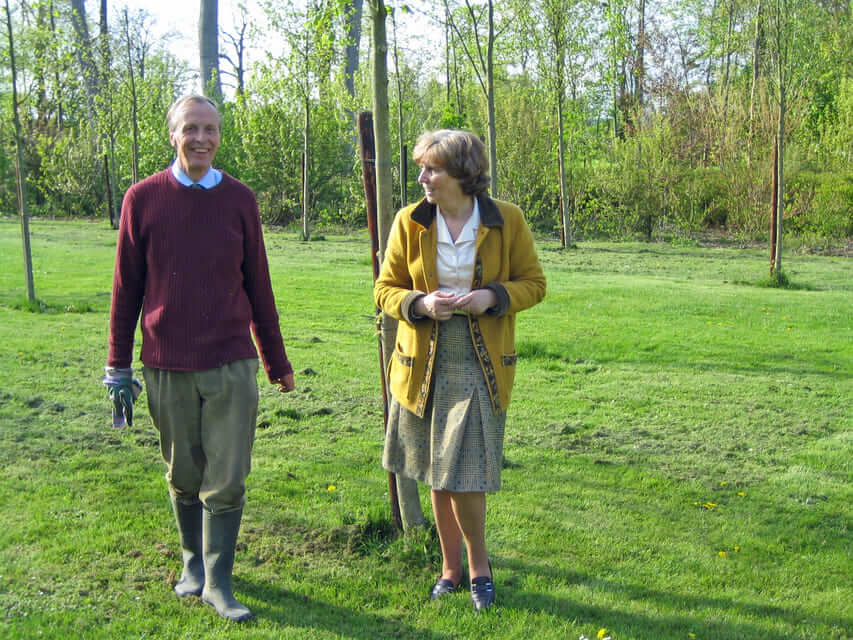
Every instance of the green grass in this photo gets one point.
(678, 458)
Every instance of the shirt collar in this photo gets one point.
(490, 216)
(469, 231)
(209, 180)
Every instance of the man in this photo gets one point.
(191, 259)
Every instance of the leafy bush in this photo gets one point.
(822, 204)
(70, 180)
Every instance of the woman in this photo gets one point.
(457, 269)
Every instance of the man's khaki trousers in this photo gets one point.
(206, 421)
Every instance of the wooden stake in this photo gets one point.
(368, 169)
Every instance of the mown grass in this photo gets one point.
(678, 458)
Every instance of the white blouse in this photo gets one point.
(455, 260)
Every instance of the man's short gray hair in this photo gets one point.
(175, 109)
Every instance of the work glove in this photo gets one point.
(124, 389)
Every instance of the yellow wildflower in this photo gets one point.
(601, 633)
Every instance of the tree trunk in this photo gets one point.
(400, 129)
(208, 39)
(781, 33)
(23, 206)
(56, 72)
(756, 52)
(727, 64)
(353, 16)
(40, 52)
(407, 489)
(780, 193)
(238, 42)
(368, 166)
(305, 174)
(774, 205)
(490, 99)
(640, 69)
(564, 198)
(134, 103)
(614, 25)
(106, 116)
(84, 52)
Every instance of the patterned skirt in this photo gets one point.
(458, 444)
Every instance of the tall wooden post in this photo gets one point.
(23, 206)
(774, 207)
(368, 170)
(405, 499)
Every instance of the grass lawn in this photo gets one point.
(678, 458)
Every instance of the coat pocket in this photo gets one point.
(509, 360)
(400, 371)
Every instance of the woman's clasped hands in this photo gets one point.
(441, 305)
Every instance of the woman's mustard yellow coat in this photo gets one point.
(506, 262)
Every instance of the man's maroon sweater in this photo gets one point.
(193, 261)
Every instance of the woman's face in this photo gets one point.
(439, 186)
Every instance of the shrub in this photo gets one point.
(821, 204)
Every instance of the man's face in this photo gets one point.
(196, 138)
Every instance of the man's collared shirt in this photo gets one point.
(210, 179)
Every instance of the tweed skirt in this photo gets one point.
(458, 444)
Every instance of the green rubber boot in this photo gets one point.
(188, 518)
(220, 539)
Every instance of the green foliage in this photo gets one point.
(745, 195)
(451, 118)
(70, 180)
(776, 280)
(822, 204)
(693, 155)
(837, 142)
(702, 195)
(527, 166)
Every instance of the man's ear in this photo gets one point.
(172, 140)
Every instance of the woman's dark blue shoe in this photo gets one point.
(441, 587)
(482, 593)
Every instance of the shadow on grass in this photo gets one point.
(96, 303)
(288, 609)
(664, 626)
(772, 362)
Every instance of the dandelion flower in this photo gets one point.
(741, 494)
(722, 554)
(332, 487)
(601, 633)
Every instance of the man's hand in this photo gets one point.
(124, 389)
(285, 383)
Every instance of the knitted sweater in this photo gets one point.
(193, 262)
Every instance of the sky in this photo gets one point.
(178, 17)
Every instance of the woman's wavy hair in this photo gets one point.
(460, 153)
